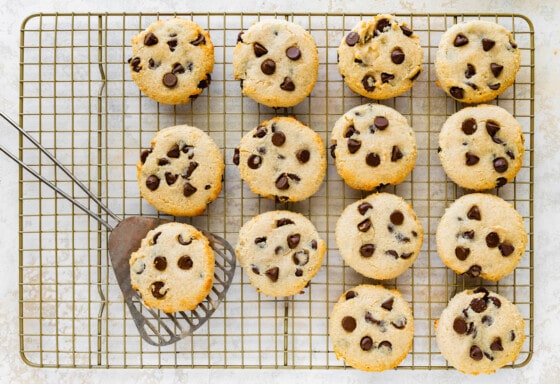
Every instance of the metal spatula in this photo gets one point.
(155, 327)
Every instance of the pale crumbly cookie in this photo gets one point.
(277, 62)
(371, 328)
(280, 252)
(380, 58)
(173, 270)
(172, 60)
(282, 159)
(379, 236)
(476, 61)
(480, 331)
(182, 171)
(372, 146)
(481, 147)
(481, 235)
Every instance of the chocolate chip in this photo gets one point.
(385, 344)
(459, 325)
(365, 225)
(182, 241)
(350, 295)
(169, 80)
(500, 164)
(152, 182)
(496, 69)
(332, 150)
(314, 244)
(471, 329)
(415, 76)
(474, 213)
(469, 126)
(396, 154)
(474, 271)
(301, 258)
(293, 240)
(160, 263)
(456, 92)
(170, 178)
(495, 86)
(482, 290)
(500, 182)
(185, 262)
(189, 189)
(282, 222)
(472, 85)
(299, 272)
(260, 132)
(381, 122)
(367, 250)
(369, 83)
(471, 159)
(488, 44)
(350, 131)
(172, 45)
(475, 353)
(373, 159)
(364, 207)
(470, 72)
(382, 24)
(204, 83)
(385, 77)
(236, 156)
(268, 67)
(366, 343)
(392, 252)
(352, 39)
(163, 161)
(278, 139)
(388, 304)
(462, 253)
(255, 270)
(293, 53)
(254, 161)
(288, 84)
(478, 305)
(135, 64)
(303, 155)
(144, 155)
(489, 320)
(397, 217)
(240, 37)
(406, 255)
(348, 323)
(397, 56)
(506, 249)
(278, 250)
(188, 172)
(406, 31)
(200, 39)
(469, 235)
(259, 50)
(492, 128)
(178, 68)
(174, 152)
(282, 182)
(400, 323)
(495, 301)
(370, 319)
(272, 274)
(460, 40)
(156, 288)
(260, 241)
(354, 145)
(497, 345)
(511, 335)
(150, 39)
(155, 238)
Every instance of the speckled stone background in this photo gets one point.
(543, 368)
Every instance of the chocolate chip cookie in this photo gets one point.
(380, 58)
(182, 171)
(379, 236)
(173, 270)
(480, 331)
(172, 60)
(371, 328)
(481, 147)
(280, 252)
(373, 145)
(481, 235)
(277, 63)
(476, 61)
(282, 159)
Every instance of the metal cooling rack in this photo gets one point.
(77, 97)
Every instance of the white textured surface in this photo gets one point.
(543, 367)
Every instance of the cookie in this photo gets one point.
(379, 236)
(182, 171)
(371, 328)
(476, 61)
(172, 60)
(173, 270)
(480, 331)
(277, 63)
(280, 252)
(481, 235)
(283, 159)
(372, 146)
(380, 58)
(481, 147)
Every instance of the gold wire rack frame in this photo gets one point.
(77, 98)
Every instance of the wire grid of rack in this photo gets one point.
(77, 97)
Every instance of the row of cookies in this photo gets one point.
(277, 61)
